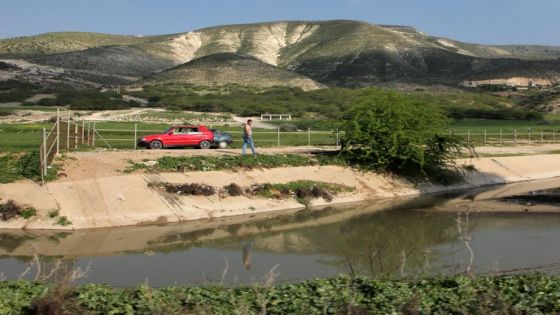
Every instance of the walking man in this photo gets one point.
(248, 138)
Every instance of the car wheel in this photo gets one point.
(156, 145)
(222, 145)
(205, 144)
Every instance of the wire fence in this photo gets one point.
(128, 138)
(69, 133)
(509, 137)
(66, 134)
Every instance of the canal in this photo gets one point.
(497, 230)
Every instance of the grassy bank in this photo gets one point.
(233, 162)
(518, 294)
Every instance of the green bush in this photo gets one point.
(86, 99)
(11, 210)
(227, 162)
(517, 294)
(288, 127)
(393, 133)
(19, 166)
(63, 221)
(16, 91)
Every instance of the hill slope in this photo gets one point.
(51, 43)
(228, 69)
(342, 53)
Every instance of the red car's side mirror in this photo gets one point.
(170, 133)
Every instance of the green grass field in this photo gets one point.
(121, 135)
(27, 137)
(505, 125)
(20, 137)
(507, 132)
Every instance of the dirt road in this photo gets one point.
(519, 150)
(104, 163)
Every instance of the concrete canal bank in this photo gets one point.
(130, 199)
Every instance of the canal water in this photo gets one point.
(498, 230)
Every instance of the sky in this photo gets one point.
(476, 21)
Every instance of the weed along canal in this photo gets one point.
(506, 229)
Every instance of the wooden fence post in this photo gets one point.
(500, 136)
(542, 136)
(337, 138)
(93, 135)
(89, 133)
(75, 132)
(44, 157)
(308, 136)
(57, 130)
(515, 136)
(135, 135)
(83, 129)
(68, 131)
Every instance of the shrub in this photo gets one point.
(11, 210)
(18, 166)
(288, 127)
(191, 189)
(28, 213)
(233, 190)
(63, 221)
(392, 133)
(515, 294)
(302, 190)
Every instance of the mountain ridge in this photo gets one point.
(333, 52)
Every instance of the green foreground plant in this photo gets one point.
(232, 162)
(517, 294)
(19, 166)
(10, 210)
(303, 191)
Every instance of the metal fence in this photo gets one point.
(69, 133)
(509, 136)
(66, 134)
(127, 138)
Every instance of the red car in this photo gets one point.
(186, 136)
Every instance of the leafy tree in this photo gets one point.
(387, 131)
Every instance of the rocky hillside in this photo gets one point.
(229, 69)
(338, 53)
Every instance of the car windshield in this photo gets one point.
(168, 130)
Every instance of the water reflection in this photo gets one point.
(246, 249)
(399, 237)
